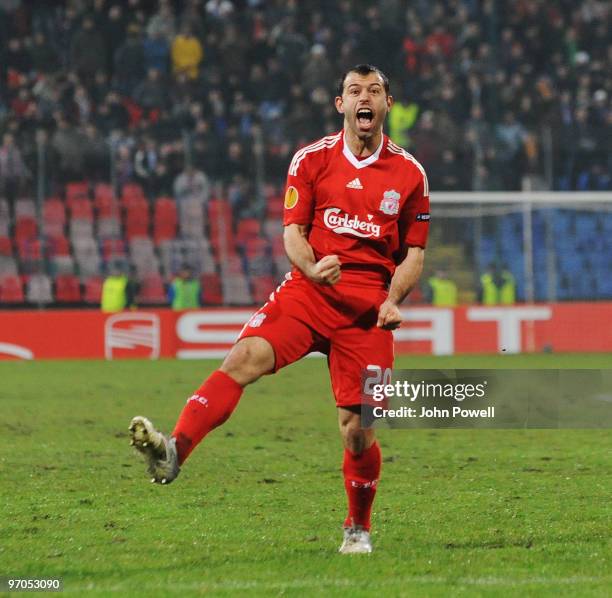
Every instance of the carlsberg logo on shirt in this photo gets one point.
(342, 223)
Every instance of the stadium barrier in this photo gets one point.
(209, 333)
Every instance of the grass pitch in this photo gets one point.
(258, 507)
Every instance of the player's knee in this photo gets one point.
(353, 437)
(248, 360)
(355, 442)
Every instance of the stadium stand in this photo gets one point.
(39, 289)
(93, 290)
(582, 252)
(11, 289)
(67, 288)
(122, 156)
(152, 291)
(165, 220)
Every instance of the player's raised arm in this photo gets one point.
(301, 255)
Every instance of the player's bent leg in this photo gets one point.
(361, 469)
(209, 407)
(274, 337)
(354, 437)
(213, 403)
(249, 359)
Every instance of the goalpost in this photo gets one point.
(558, 245)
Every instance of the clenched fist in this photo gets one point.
(389, 316)
(325, 271)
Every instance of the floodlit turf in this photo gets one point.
(258, 508)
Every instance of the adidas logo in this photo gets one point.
(354, 184)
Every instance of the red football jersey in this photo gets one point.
(366, 211)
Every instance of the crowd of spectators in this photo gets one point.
(490, 94)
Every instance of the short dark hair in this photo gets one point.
(363, 69)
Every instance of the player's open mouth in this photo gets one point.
(365, 116)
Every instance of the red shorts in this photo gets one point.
(340, 321)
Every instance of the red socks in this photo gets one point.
(208, 408)
(215, 401)
(361, 473)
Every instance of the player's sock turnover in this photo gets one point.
(361, 474)
(207, 408)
